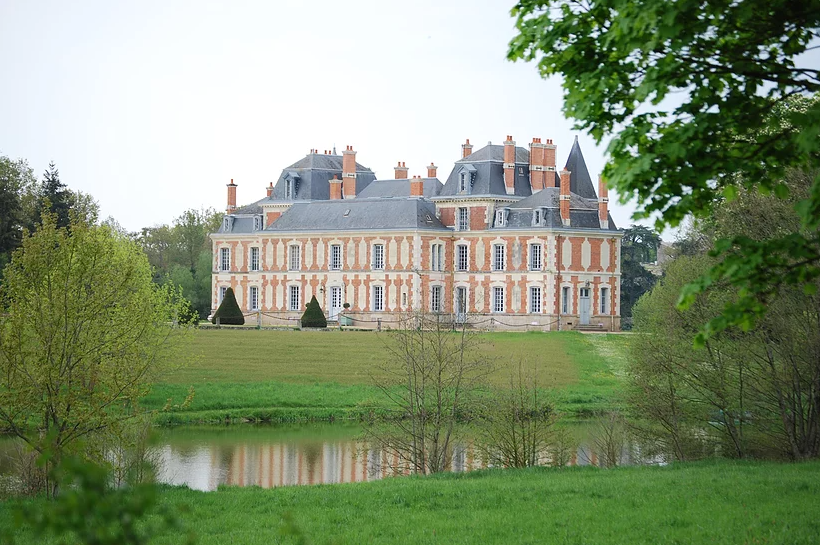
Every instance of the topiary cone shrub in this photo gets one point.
(313, 316)
(229, 312)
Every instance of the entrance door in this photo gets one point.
(584, 306)
(461, 305)
(335, 303)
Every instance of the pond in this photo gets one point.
(203, 458)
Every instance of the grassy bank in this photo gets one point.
(714, 502)
(293, 375)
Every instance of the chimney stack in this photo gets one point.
(431, 170)
(509, 165)
(231, 197)
(466, 149)
(349, 173)
(549, 163)
(564, 198)
(270, 190)
(603, 203)
(537, 173)
(416, 187)
(401, 171)
(335, 188)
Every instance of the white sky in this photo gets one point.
(153, 106)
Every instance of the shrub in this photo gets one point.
(313, 316)
(229, 312)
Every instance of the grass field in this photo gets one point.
(712, 502)
(292, 375)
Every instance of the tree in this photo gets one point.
(431, 371)
(17, 183)
(55, 196)
(702, 99)
(638, 246)
(85, 333)
(313, 316)
(229, 312)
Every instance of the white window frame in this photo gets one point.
(536, 217)
(253, 297)
(604, 300)
(437, 257)
(499, 257)
(378, 298)
(463, 224)
(294, 298)
(253, 259)
(566, 303)
(378, 257)
(290, 189)
(224, 259)
(294, 257)
(435, 298)
(536, 261)
(536, 300)
(221, 296)
(335, 257)
(466, 262)
(498, 300)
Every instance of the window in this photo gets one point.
(604, 300)
(257, 223)
(378, 298)
(437, 257)
(435, 299)
(535, 257)
(462, 220)
(294, 262)
(498, 257)
(253, 298)
(565, 300)
(335, 257)
(404, 299)
(461, 257)
(254, 259)
(294, 302)
(535, 300)
(378, 256)
(290, 189)
(465, 181)
(536, 217)
(224, 259)
(222, 290)
(498, 299)
(501, 217)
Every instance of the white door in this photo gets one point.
(461, 305)
(584, 306)
(335, 303)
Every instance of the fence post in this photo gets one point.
(218, 320)
(379, 324)
(492, 323)
(258, 319)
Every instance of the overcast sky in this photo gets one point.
(153, 106)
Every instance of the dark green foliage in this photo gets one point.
(229, 312)
(55, 195)
(313, 316)
(700, 100)
(639, 246)
(90, 510)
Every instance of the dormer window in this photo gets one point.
(291, 185)
(536, 217)
(466, 179)
(501, 217)
(227, 224)
(257, 223)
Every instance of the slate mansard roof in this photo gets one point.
(313, 173)
(359, 214)
(399, 188)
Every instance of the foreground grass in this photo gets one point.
(713, 502)
(298, 375)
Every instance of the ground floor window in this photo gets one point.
(378, 298)
(222, 290)
(498, 299)
(565, 300)
(435, 299)
(253, 298)
(604, 300)
(535, 300)
(294, 299)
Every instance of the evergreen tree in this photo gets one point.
(229, 312)
(639, 246)
(58, 196)
(313, 316)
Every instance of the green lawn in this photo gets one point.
(709, 502)
(289, 375)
